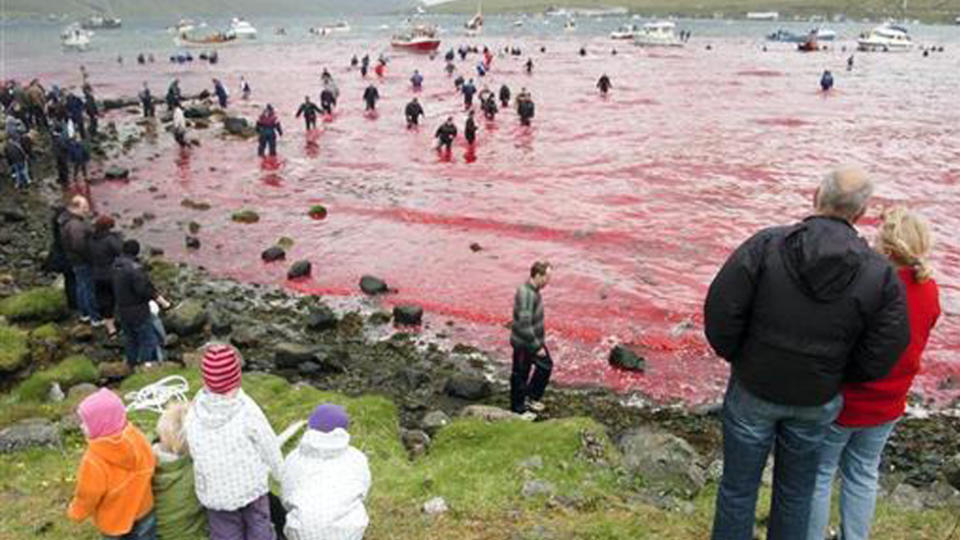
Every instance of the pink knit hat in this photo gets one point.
(103, 414)
(221, 368)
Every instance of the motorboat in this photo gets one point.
(763, 16)
(341, 27)
(217, 38)
(518, 23)
(886, 38)
(658, 34)
(627, 31)
(570, 25)
(418, 38)
(475, 25)
(99, 22)
(183, 26)
(810, 45)
(242, 29)
(786, 36)
(75, 38)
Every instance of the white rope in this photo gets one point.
(154, 396)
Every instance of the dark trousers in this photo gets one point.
(148, 109)
(267, 140)
(180, 136)
(141, 341)
(144, 529)
(79, 125)
(38, 117)
(522, 386)
(252, 522)
(70, 287)
(93, 125)
(310, 122)
(63, 170)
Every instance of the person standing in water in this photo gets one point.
(527, 337)
(413, 112)
(826, 81)
(328, 99)
(416, 80)
(604, 84)
(525, 107)
(173, 94)
(529, 66)
(146, 101)
(179, 126)
(309, 111)
(370, 97)
(446, 133)
(468, 90)
(221, 93)
(365, 66)
(504, 96)
(470, 129)
(244, 88)
(850, 63)
(268, 127)
(90, 107)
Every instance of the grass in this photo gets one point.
(72, 370)
(47, 332)
(42, 304)
(13, 348)
(473, 465)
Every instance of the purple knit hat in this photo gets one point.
(328, 417)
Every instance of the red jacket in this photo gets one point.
(884, 400)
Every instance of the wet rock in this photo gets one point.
(415, 441)
(220, 324)
(537, 488)
(907, 497)
(951, 471)
(117, 173)
(197, 111)
(380, 318)
(291, 355)
(321, 318)
(245, 338)
(373, 285)
(114, 370)
(245, 216)
(469, 387)
(663, 461)
(240, 127)
(435, 506)
(275, 253)
(12, 215)
(488, 413)
(434, 421)
(475, 247)
(186, 319)
(80, 391)
(29, 433)
(941, 495)
(299, 269)
(192, 242)
(193, 227)
(195, 205)
(624, 358)
(408, 315)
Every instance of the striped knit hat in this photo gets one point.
(221, 368)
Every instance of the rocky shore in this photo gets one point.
(356, 347)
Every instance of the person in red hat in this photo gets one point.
(234, 451)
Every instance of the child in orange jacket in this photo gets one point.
(113, 479)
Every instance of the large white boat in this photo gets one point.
(75, 38)
(242, 29)
(475, 25)
(341, 27)
(886, 38)
(821, 34)
(626, 31)
(418, 38)
(763, 16)
(99, 22)
(658, 34)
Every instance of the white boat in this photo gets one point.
(183, 26)
(658, 34)
(518, 23)
(341, 27)
(475, 25)
(886, 38)
(786, 36)
(570, 25)
(242, 29)
(99, 22)
(763, 16)
(627, 31)
(75, 38)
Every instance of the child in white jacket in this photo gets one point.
(325, 481)
(234, 449)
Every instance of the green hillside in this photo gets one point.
(176, 8)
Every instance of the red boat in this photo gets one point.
(419, 38)
(810, 45)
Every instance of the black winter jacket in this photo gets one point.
(75, 234)
(132, 289)
(798, 310)
(104, 250)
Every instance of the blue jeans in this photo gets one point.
(141, 341)
(145, 529)
(750, 427)
(86, 300)
(21, 175)
(856, 451)
(267, 140)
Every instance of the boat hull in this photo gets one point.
(879, 46)
(417, 46)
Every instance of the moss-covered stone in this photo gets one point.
(73, 370)
(42, 304)
(49, 332)
(245, 216)
(318, 211)
(13, 348)
(285, 242)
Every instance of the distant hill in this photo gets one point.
(925, 10)
(176, 8)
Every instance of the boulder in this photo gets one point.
(488, 413)
(195, 205)
(14, 349)
(663, 461)
(197, 111)
(245, 337)
(117, 173)
(291, 355)
(299, 269)
(220, 324)
(435, 506)
(12, 215)
(941, 495)
(193, 227)
(469, 387)
(192, 242)
(321, 318)
(80, 391)
(951, 471)
(415, 441)
(186, 319)
(275, 253)
(29, 433)
(434, 421)
(537, 488)
(907, 497)
(114, 370)
(245, 216)
(373, 285)
(118, 103)
(238, 126)
(624, 358)
(408, 315)
(55, 395)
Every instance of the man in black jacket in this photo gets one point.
(133, 292)
(796, 311)
(75, 231)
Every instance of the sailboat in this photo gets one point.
(475, 25)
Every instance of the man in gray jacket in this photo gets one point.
(529, 348)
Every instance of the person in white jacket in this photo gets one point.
(179, 126)
(325, 481)
(234, 450)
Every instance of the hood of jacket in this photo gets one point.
(823, 256)
(119, 450)
(319, 445)
(216, 410)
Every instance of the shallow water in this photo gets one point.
(636, 198)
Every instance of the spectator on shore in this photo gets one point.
(113, 478)
(134, 291)
(78, 152)
(179, 513)
(797, 310)
(325, 480)
(16, 157)
(105, 246)
(856, 440)
(92, 109)
(234, 451)
(57, 257)
(527, 336)
(75, 232)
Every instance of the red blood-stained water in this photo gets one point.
(637, 198)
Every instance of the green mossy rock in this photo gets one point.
(43, 304)
(14, 352)
(245, 216)
(71, 371)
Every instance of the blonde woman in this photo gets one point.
(179, 514)
(855, 442)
